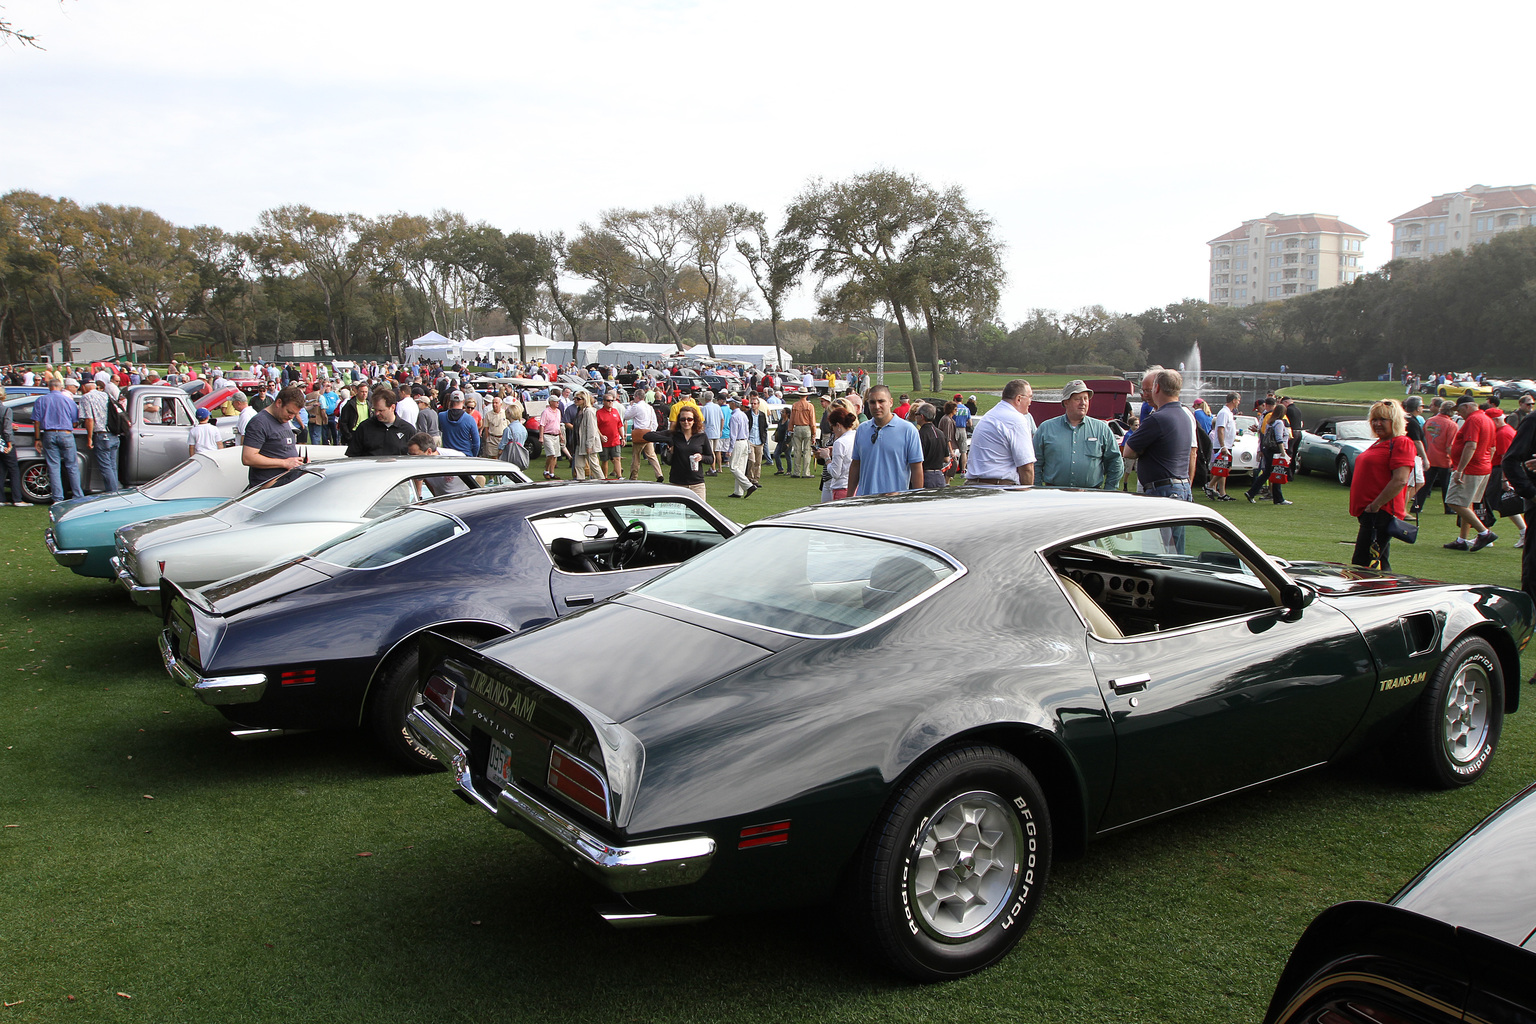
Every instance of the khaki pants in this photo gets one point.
(755, 463)
(800, 458)
(739, 455)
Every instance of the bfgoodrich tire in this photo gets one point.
(1455, 726)
(396, 691)
(955, 866)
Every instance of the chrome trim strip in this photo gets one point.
(648, 865)
(66, 557)
(213, 690)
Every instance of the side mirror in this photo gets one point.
(1295, 597)
(592, 531)
(1330, 437)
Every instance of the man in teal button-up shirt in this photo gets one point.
(1076, 450)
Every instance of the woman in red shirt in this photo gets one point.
(1376, 491)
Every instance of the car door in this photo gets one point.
(1213, 684)
(161, 424)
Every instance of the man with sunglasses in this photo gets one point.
(887, 452)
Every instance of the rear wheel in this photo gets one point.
(394, 694)
(955, 866)
(1455, 727)
(35, 485)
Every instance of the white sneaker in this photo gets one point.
(22, 504)
(1521, 542)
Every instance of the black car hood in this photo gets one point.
(250, 589)
(1486, 881)
(1334, 580)
(664, 657)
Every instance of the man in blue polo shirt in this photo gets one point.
(887, 453)
(55, 415)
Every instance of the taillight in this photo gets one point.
(297, 677)
(577, 782)
(439, 692)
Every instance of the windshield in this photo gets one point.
(407, 532)
(275, 491)
(802, 581)
(166, 484)
(1353, 430)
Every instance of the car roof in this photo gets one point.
(542, 496)
(1032, 517)
(452, 464)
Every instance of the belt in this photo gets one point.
(58, 430)
(990, 480)
(1170, 480)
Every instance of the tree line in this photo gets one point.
(879, 246)
(883, 250)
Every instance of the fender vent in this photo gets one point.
(1420, 630)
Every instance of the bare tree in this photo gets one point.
(776, 266)
(712, 232)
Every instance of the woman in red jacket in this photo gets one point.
(1377, 489)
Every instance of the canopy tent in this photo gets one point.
(764, 357)
(94, 346)
(638, 353)
(487, 349)
(586, 352)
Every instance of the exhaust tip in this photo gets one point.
(626, 917)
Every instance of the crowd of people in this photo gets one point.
(861, 443)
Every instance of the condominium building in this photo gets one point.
(1458, 219)
(1282, 255)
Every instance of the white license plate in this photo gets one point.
(498, 767)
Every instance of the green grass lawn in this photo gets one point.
(300, 879)
(1359, 392)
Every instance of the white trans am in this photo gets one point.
(1245, 449)
(287, 516)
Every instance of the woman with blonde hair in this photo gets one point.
(1377, 495)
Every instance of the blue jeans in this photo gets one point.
(104, 451)
(1173, 536)
(63, 464)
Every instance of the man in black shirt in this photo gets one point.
(383, 433)
(935, 446)
(268, 447)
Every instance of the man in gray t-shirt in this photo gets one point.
(268, 447)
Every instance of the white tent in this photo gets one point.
(764, 357)
(93, 346)
(487, 349)
(638, 353)
(582, 354)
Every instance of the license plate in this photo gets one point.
(498, 766)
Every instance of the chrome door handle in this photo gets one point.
(578, 599)
(1130, 684)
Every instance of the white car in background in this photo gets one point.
(1245, 448)
(287, 516)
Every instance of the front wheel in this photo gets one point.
(1451, 735)
(1341, 469)
(955, 866)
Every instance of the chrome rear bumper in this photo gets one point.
(655, 864)
(213, 690)
(145, 597)
(68, 558)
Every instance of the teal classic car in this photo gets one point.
(1332, 449)
(80, 532)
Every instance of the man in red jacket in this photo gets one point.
(1472, 461)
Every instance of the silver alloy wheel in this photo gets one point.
(967, 865)
(1466, 714)
(1341, 468)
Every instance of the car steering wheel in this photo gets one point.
(629, 543)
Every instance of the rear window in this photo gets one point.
(803, 581)
(276, 491)
(391, 539)
(166, 483)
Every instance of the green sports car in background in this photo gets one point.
(1333, 447)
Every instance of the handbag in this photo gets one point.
(1510, 504)
(1403, 530)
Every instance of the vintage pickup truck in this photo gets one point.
(159, 418)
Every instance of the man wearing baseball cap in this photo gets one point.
(458, 426)
(962, 415)
(1075, 449)
(204, 437)
(1472, 462)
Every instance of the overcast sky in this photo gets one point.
(1109, 142)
